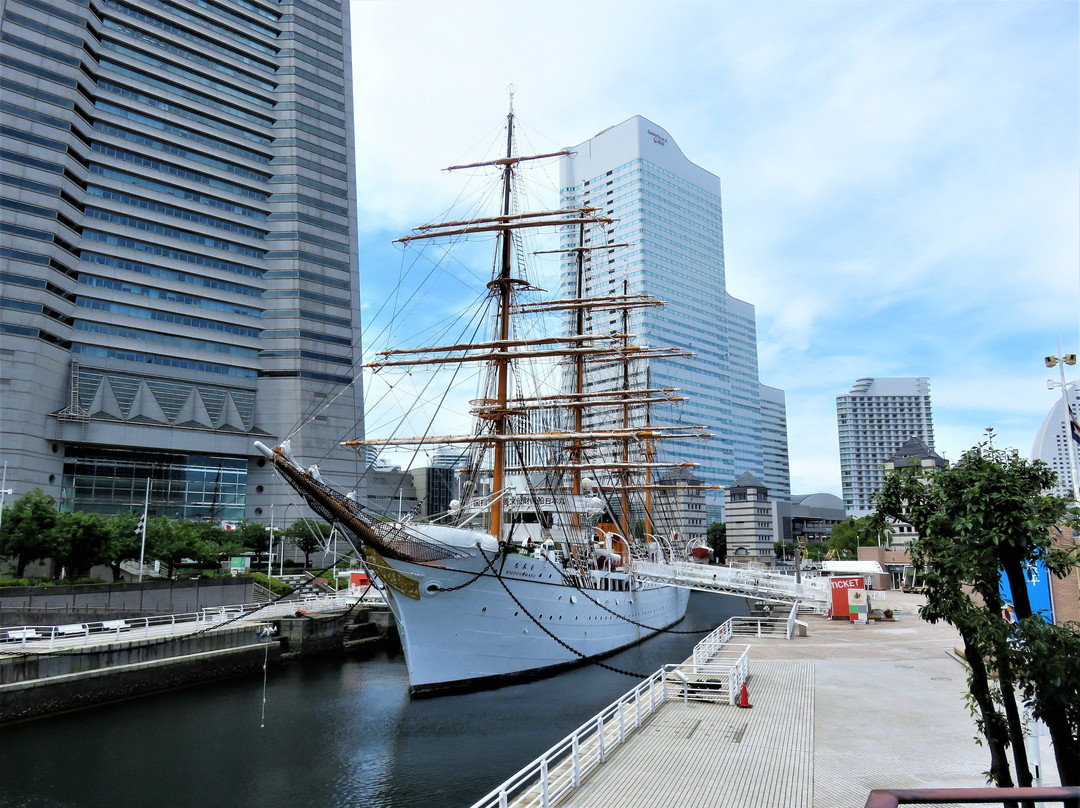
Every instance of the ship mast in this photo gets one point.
(579, 369)
(501, 288)
(625, 474)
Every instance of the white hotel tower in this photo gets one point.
(874, 420)
(1052, 443)
(668, 211)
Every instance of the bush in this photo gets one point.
(279, 588)
(51, 581)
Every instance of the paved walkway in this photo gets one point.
(838, 713)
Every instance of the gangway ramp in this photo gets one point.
(756, 584)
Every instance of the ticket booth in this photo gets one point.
(839, 586)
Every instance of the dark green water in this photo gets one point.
(337, 732)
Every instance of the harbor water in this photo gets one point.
(328, 732)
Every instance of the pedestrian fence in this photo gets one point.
(715, 672)
(102, 631)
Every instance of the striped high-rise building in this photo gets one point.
(179, 250)
(1052, 442)
(874, 421)
(667, 209)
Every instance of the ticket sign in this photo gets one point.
(839, 587)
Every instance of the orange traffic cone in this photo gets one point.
(744, 698)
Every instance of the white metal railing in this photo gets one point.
(715, 672)
(754, 583)
(562, 768)
(711, 644)
(99, 631)
(760, 626)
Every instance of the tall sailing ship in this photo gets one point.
(531, 570)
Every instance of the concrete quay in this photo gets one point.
(836, 714)
(65, 671)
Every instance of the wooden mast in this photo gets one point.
(502, 288)
(649, 445)
(625, 474)
(579, 371)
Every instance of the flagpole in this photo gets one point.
(142, 522)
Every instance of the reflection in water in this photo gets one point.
(338, 732)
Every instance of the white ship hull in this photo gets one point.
(486, 633)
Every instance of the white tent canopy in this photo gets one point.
(852, 567)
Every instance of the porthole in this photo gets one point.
(52, 478)
(258, 511)
(484, 609)
(55, 448)
(258, 489)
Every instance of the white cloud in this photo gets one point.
(899, 178)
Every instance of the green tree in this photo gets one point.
(716, 536)
(308, 535)
(253, 536)
(784, 549)
(849, 535)
(28, 529)
(985, 517)
(210, 544)
(79, 541)
(124, 542)
(168, 541)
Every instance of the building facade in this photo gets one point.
(1052, 444)
(679, 508)
(179, 250)
(751, 521)
(873, 421)
(668, 212)
(809, 518)
(913, 453)
(776, 473)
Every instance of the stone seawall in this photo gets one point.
(55, 605)
(36, 684)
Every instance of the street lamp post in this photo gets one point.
(281, 544)
(1060, 361)
(4, 491)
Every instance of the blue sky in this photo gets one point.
(900, 179)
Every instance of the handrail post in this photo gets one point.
(576, 760)
(543, 783)
(600, 736)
